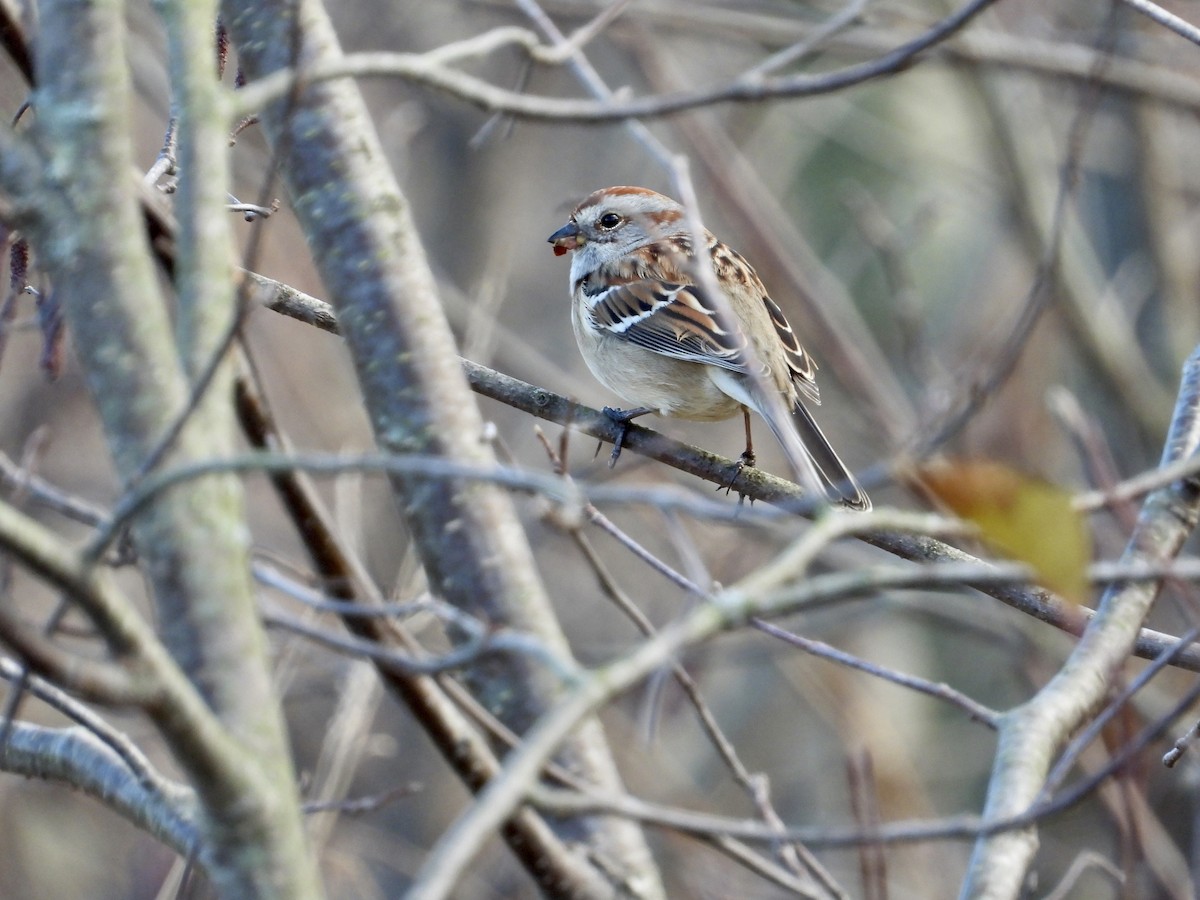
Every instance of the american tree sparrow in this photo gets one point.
(650, 331)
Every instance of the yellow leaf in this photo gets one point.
(1024, 518)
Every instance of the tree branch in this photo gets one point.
(83, 215)
(470, 541)
(430, 69)
(760, 485)
(1031, 734)
(78, 759)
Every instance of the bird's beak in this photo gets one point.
(566, 238)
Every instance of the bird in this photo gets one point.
(674, 336)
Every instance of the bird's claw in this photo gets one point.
(622, 418)
(746, 460)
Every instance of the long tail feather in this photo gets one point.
(838, 481)
(816, 462)
(817, 467)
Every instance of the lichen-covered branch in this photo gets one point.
(81, 212)
(470, 541)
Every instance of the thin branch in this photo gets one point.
(876, 528)
(94, 680)
(768, 869)
(1084, 738)
(760, 594)
(439, 870)
(365, 244)
(447, 712)
(579, 38)
(429, 70)
(50, 496)
(117, 741)
(78, 759)
(756, 786)
(430, 467)
(1168, 20)
(1088, 859)
(1138, 485)
(975, 710)
(1001, 363)
(45, 553)
(1181, 745)
(480, 643)
(555, 408)
(692, 822)
(789, 56)
(1004, 584)
(605, 524)
(160, 687)
(585, 73)
(823, 835)
(972, 48)
(864, 805)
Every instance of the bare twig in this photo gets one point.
(864, 800)
(75, 756)
(117, 741)
(796, 857)
(483, 642)
(445, 709)
(1088, 859)
(1181, 745)
(1168, 20)
(466, 534)
(1079, 742)
(430, 70)
(976, 711)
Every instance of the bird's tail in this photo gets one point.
(818, 468)
(816, 463)
(838, 481)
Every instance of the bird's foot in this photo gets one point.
(622, 418)
(746, 460)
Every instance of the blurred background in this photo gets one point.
(907, 226)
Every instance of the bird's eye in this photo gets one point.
(610, 220)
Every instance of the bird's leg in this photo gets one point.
(747, 458)
(622, 418)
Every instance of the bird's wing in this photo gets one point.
(802, 367)
(676, 320)
(731, 267)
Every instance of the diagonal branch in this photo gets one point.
(1031, 734)
(759, 485)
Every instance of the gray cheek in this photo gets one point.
(581, 265)
(587, 259)
(603, 252)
